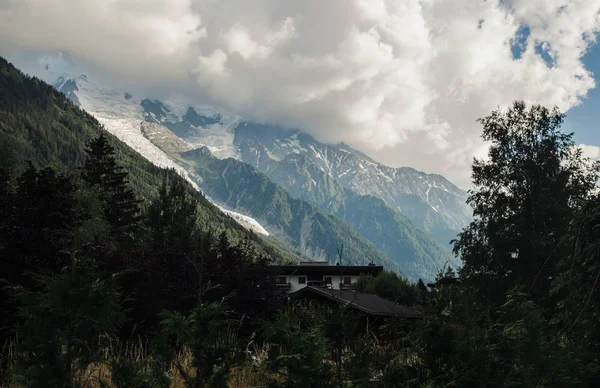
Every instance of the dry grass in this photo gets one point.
(99, 374)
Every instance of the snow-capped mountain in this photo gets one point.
(293, 159)
(429, 200)
(122, 114)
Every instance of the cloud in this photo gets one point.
(402, 81)
(590, 151)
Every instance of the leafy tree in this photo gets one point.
(577, 286)
(527, 351)
(524, 199)
(242, 277)
(171, 220)
(37, 222)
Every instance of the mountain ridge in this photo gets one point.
(239, 186)
(321, 183)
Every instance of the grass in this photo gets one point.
(99, 375)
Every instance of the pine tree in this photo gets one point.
(121, 206)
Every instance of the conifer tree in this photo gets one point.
(121, 206)
(63, 324)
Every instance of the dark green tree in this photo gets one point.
(297, 354)
(166, 275)
(390, 286)
(577, 286)
(120, 204)
(242, 277)
(62, 327)
(208, 334)
(524, 199)
(38, 224)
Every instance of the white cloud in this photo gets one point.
(590, 151)
(401, 80)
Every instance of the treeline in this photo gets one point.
(39, 125)
(81, 263)
(98, 292)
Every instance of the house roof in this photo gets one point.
(367, 303)
(348, 270)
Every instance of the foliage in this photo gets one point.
(120, 205)
(296, 355)
(525, 198)
(577, 287)
(207, 334)
(389, 285)
(62, 326)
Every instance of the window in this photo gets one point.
(327, 280)
(302, 280)
(347, 280)
(281, 280)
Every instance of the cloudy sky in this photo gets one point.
(402, 80)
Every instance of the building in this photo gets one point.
(368, 304)
(320, 274)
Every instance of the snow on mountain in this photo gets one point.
(429, 200)
(245, 221)
(122, 115)
(200, 125)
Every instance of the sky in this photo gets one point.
(584, 120)
(403, 81)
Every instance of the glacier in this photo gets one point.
(121, 114)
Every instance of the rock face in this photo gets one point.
(318, 172)
(310, 209)
(430, 201)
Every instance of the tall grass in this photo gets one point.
(248, 373)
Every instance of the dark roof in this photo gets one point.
(367, 303)
(326, 269)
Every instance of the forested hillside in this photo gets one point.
(239, 185)
(40, 125)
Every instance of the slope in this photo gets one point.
(39, 124)
(239, 186)
(430, 201)
(416, 253)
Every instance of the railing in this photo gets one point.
(284, 286)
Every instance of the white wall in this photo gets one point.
(335, 280)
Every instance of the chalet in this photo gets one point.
(367, 304)
(320, 274)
